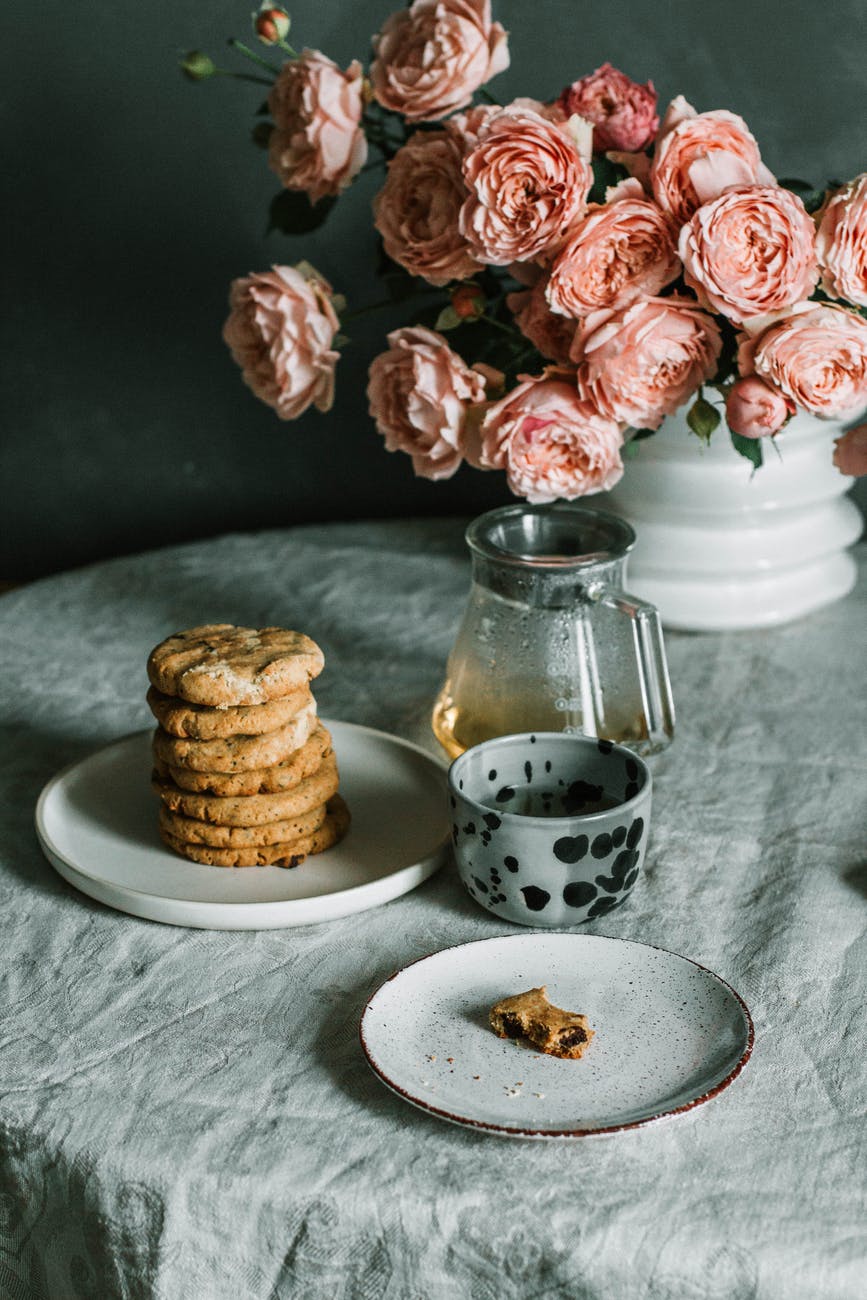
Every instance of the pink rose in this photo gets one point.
(850, 452)
(698, 155)
(551, 442)
(551, 335)
(317, 144)
(640, 364)
(431, 57)
(419, 393)
(750, 252)
(816, 354)
(615, 254)
(417, 210)
(754, 409)
(623, 113)
(842, 243)
(528, 184)
(280, 330)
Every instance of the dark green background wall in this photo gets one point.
(132, 198)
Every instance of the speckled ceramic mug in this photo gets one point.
(549, 829)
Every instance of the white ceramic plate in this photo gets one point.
(669, 1035)
(97, 824)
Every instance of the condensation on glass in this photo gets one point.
(549, 640)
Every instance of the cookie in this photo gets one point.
(237, 753)
(288, 854)
(530, 1015)
(222, 665)
(202, 722)
(259, 780)
(193, 831)
(253, 809)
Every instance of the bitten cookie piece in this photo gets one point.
(221, 665)
(530, 1015)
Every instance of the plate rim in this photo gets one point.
(503, 1130)
(155, 902)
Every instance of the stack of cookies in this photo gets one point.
(243, 767)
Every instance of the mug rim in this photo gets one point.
(555, 736)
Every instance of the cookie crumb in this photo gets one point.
(538, 1094)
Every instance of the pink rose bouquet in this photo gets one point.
(578, 265)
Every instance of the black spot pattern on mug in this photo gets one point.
(578, 893)
(492, 775)
(601, 906)
(631, 879)
(623, 863)
(632, 769)
(453, 801)
(480, 884)
(605, 746)
(536, 899)
(547, 765)
(455, 834)
(601, 846)
(510, 863)
(532, 740)
(631, 790)
(486, 838)
(571, 848)
(528, 771)
(618, 836)
(492, 821)
(636, 830)
(460, 784)
(470, 828)
(578, 795)
(505, 794)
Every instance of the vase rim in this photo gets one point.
(525, 535)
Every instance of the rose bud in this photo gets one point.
(272, 25)
(754, 409)
(850, 452)
(197, 66)
(468, 301)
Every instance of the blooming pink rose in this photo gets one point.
(431, 57)
(850, 452)
(754, 409)
(280, 330)
(640, 364)
(528, 184)
(417, 210)
(750, 252)
(842, 243)
(816, 354)
(419, 394)
(698, 155)
(623, 113)
(551, 334)
(615, 254)
(317, 144)
(551, 442)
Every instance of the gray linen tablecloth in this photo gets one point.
(187, 1114)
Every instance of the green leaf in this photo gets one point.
(749, 448)
(702, 418)
(448, 319)
(811, 197)
(605, 174)
(292, 213)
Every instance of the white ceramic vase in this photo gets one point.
(721, 547)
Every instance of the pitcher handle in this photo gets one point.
(650, 657)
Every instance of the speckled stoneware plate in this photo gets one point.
(97, 824)
(669, 1034)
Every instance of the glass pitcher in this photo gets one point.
(550, 641)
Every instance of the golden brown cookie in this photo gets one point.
(193, 831)
(237, 753)
(530, 1015)
(288, 854)
(202, 722)
(222, 665)
(259, 780)
(252, 809)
